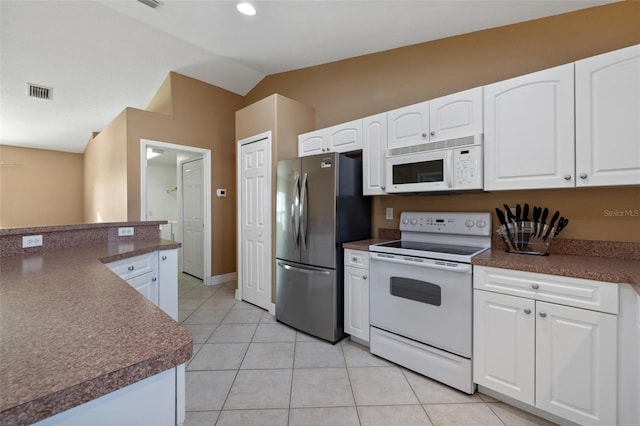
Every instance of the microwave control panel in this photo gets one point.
(467, 168)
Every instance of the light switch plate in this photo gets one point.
(389, 214)
(31, 241)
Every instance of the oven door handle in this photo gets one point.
(427, 263)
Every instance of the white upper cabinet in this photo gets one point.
(449, 117)
(529, 131)
(408, 125)
(457, 115)
(344, 137)
(608, 118)
(374, 147)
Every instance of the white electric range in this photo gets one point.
(421, 294)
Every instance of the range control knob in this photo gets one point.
(414, 221)
(405, 221)
(469, 223)
(480, 223)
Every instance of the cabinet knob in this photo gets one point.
(543, 314)
(131, 268)
(527, 311)
(535, 286)
(424, 135)
(433, 133)
(154, 279)
(583, 175)
(164, 257)
(364, 277)
(567, 177)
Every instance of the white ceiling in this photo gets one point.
(100, 56)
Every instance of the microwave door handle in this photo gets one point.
(304, 214)
(295, 213)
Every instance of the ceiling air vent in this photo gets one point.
(151, 3)
(40, 92)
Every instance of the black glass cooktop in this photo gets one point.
(432, 247)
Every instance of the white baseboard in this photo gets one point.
(272, 309)
(219, 279)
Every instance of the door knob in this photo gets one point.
(433, 133)
(567, 177)
(543, 314)
(131, 268)
(583, 175)
(535, 286)
(164, 257)
(364, 277)
(527, 311)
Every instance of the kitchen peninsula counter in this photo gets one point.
(71, 330)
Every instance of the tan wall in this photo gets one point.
(39, 187)
(105, 173)
(358, 87)
(203, 117)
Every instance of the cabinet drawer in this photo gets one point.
(356, 258)
(588, 294)
(134, 266)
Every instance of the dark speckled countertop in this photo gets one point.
(71, 330)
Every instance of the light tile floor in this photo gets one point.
(248, 369)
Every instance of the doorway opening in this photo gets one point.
(162, 198)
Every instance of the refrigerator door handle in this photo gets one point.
(303, 270)
(295, 208)
(303, 219)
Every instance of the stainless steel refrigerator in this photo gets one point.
(319, 206)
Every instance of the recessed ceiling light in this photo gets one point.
(246, 9)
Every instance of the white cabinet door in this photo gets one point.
(168, 288)
(529, 131)
(457, 115)
(576, 364)
(503, 344)
(608, 118)
(311, 143)
(408, 125)
(356, 302)
(147, 285)
(344, 137)
(374, 147)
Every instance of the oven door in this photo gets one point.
(425, 171)
(426, 300)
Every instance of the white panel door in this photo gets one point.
(255, 219)
(529, 131)
(147, 285)
(408, 125)
(503, 344)
(576, 364)
(193, 218)
(608, 118)
(456, 115)
(374, 147)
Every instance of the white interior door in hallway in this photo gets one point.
(193, 218)
(255, 220)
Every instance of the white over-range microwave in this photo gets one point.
(449, 165)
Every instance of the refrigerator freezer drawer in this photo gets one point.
(308, 299)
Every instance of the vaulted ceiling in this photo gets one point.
(100, 56)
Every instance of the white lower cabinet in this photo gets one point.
(559, 359)
(356, 294)
(154, 275)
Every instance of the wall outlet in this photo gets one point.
(31, 241)
(125, 232)
(389, 213)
